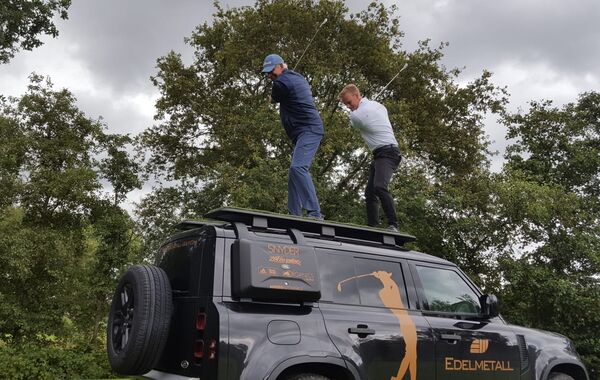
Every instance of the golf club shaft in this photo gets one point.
(391, 80)
(310, 42)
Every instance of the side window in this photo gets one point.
(381, 283)
(333, 270)
(446, 291)
(346, 279)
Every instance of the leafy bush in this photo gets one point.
(36, 361)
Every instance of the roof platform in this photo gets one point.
(185, 225)
(264, 220)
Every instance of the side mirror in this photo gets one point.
(489, 305)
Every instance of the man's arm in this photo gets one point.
(355, 121)
(279, 92)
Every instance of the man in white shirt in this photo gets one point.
(371, 119)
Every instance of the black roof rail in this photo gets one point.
(265, 219)
(185, 225)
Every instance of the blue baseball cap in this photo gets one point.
(270, 62)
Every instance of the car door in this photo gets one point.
(369, 318)
(466, 346)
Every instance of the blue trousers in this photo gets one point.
(301, 190)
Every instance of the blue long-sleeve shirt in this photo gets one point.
(297, 108)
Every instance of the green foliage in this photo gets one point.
(118, 168)
(63, 241)
(559, 146)
(549, 200)
(11, 157)
(22, 21)
(47, 360)
(540, 297)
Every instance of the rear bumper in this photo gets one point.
(158, 375)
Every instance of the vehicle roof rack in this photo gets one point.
(264, 219)
(185, 225)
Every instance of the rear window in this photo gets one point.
(176, 261)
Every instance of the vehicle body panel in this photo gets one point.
(547, 351)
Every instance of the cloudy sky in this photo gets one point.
(107, 50)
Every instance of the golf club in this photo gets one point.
(391, 80)
(311, 40)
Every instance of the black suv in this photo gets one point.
(268, 296)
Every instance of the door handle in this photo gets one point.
(361, 330)
(452, 337)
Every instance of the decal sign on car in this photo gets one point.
(390, 296)
(478, 346)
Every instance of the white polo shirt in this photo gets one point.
(371, 119)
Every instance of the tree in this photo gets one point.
(63, 241)
(219, 142)
(22, 21)
(11, 158)
(549, 200)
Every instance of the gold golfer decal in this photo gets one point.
(390, 296)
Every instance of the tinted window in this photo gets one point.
(177, 262)
(381, 283)
(334, 269)
(446, 291)
(350, 280)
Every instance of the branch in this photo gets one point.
(344, 183)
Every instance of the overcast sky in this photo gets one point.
(107, 50)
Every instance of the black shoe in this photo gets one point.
(393, 228)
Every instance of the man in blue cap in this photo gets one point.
(303, 125)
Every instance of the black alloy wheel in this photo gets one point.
(123, 319)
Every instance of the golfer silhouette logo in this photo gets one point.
(390, 296)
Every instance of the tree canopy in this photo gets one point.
(551, 206)
(63, 239)
(221, 143)
(22, 22)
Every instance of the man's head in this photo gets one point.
(273, 66)
(350, 96)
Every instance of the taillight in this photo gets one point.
(199, 342)
(200, 321)
(199, 349)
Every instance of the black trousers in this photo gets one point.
(385, 162)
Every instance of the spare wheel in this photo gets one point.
(139, 319)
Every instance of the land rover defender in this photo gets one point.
(254, 295)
